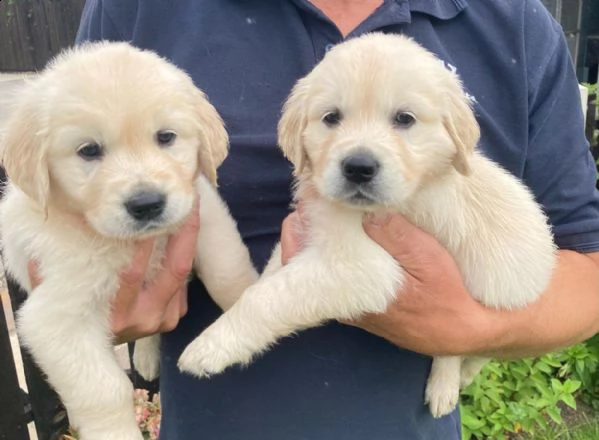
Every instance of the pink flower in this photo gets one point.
(147, 413)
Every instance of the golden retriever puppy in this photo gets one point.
(109, 145)
(379, 126)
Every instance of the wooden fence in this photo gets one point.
(32, 31)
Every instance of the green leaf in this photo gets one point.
(485, 404)
(542, 366)
(493, 394)
(521, 370)
(568, 399)
(540, 403)
(466, 434)
(556, 385)
(549, 360)
(555, 414)
(472, 422)
(571, 385)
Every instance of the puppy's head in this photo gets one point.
(114, 134)
(375, 120)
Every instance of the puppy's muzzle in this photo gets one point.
(360, 168)
(146, 205)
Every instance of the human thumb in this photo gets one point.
(408, 244)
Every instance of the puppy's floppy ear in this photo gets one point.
(460, 123)
(292, 124)
(213, 137)
(23, 152)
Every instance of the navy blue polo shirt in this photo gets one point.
(337, 382)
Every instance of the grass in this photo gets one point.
(587, 429)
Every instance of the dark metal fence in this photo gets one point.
(13, 417)
(39, 404)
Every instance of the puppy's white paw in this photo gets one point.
(207, 356)
(146, 357)
(148, 367)
(441, 397)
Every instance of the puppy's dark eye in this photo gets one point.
(332, 118)
(165, 138)
(404, 119)
(90, 151)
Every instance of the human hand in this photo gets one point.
(292, 234)
(140, 309)
(433, 314)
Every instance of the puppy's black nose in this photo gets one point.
(360, 167)
(146, 205)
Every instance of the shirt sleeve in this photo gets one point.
(559, 168)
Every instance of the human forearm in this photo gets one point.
(567, 313)
(435, 315)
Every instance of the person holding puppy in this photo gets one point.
(340, 381)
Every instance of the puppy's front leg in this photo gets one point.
(72, 345)
(302, 294)
(146, 357)
(222, 260)
(443, 387)
(450, 374)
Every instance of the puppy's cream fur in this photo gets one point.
(68, 213)
(429, 171)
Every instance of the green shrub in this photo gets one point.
(523, 396)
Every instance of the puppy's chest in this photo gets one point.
(340, 236)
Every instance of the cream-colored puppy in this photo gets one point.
(109, 145)
(380, 125)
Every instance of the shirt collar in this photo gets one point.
(441, 9)
(398, 11)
